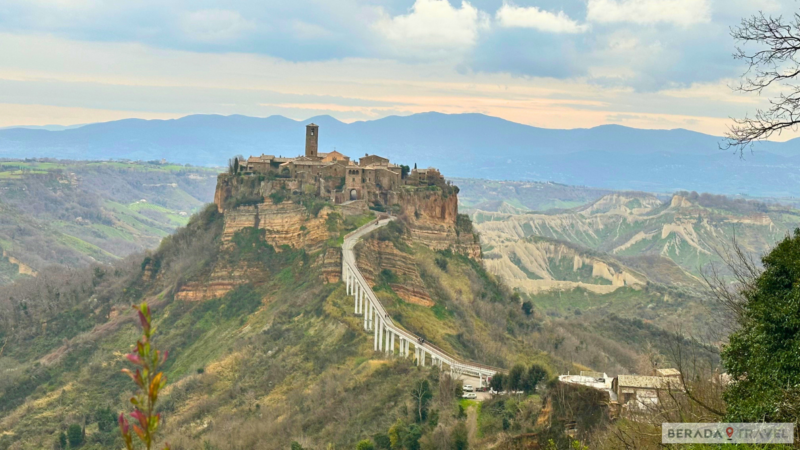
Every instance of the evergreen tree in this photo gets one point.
(459, 437)
(75, 435)
(762, 357)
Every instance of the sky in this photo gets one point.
(547, 63)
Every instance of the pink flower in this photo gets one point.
(134, 358)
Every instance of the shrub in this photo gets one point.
(366, 444)
(441, 263)
(278, 197)
(106, 419)
(459, 437)
(527, 307)
(149, 381)
(382, 441)
(75, 435)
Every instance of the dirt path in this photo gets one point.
(472, 424)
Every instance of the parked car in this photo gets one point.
(468, 388)
(470, 395)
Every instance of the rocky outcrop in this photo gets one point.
(332, 265)
(285, 223)
(374, 256)
(431, 218)
(223, 279)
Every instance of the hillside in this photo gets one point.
(75, 213)
(461, 145)
(261, 333)
(689, 229)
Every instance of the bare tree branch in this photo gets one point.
(775, 63)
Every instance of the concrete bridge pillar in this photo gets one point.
(391, 343)
(375, 344)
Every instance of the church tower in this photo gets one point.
(312, 140)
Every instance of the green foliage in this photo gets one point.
(497, 382)
(62, 440)
(382, 441)
(366, 444)
(463, 224)
(527, 307)
(75, 435)
(278, 196)
(441, 262)
(296, 446)
(404, 171)
(535, 375)
(514, 379)
(412, 437)
(106, 419)
(459, 437)
(762, 356)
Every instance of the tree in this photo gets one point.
(773, 64)
(106, 419)
(62, 440)
(149, 382)
(382, 441)
(459, 437)
(533, 377)
(513, 381)
(421, 395)
(75, 435)
(366, 444)
(404, 170)
(497, 382)
(761, 356)
(527, 307)
(411, 439)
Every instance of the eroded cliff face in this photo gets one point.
(374, 256)
(285, 223)
(432, 219)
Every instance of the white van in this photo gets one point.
(468, 388)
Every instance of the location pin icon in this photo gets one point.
(729, 430)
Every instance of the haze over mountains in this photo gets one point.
(461, 145)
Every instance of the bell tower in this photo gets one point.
(312, 140)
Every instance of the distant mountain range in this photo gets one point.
(461, 145)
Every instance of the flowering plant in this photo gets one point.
(149, 382)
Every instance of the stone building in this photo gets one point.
(335, 176)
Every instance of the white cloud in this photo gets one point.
(215, 26)
(512, 16)
(677, 12)
(434, 25)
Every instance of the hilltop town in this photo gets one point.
(336, 177)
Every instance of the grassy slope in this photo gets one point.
(285, 358)
(72, 213)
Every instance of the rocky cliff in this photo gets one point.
(432, 218)
(375, 256)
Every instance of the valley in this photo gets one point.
(250, 298)
(74, 213)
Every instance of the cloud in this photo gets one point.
(512, 16)
(434, 27)
(215, 26)
(647, 12)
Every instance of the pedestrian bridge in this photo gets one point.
(389, 337)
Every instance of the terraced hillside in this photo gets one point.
(74, 213)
